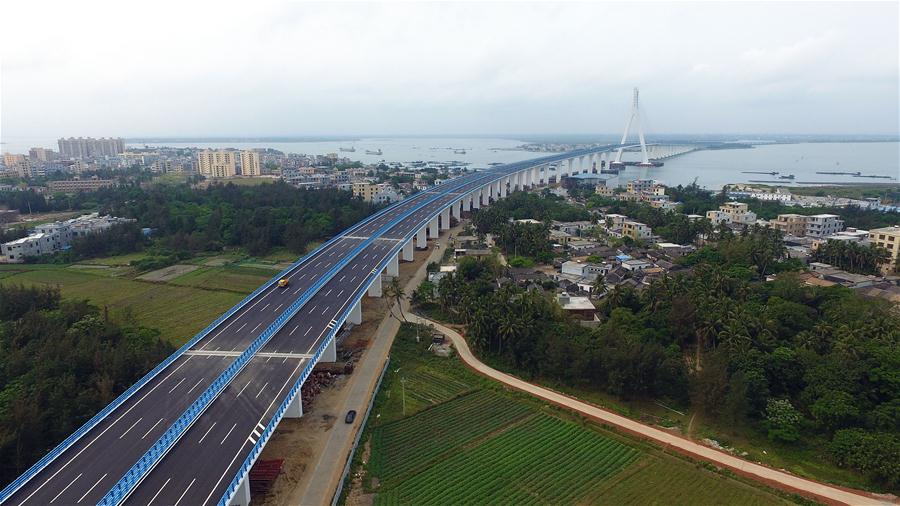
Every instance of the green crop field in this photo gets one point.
(178, 312)
(664, 482)
(543, 460)
(411, 444)
(230, 278)
(465, 440)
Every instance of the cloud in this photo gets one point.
(273, 68)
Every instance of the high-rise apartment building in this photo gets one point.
(41, 154)
(219, 163)
(250, 163)
(88, 147)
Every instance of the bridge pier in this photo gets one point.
(467, 203)
(503, 184)
(433, 228)
(242, 496)
(445, 219)
(476, 199)
(455, 210)
(485, 196)
(569, 165)
(330, 353)
(393, 266)
(295, 408)
(408, 251)
(421, 239)
(355, 316)
(375, 287)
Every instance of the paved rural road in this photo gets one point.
(772, 477)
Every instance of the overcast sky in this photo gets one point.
(190, 68)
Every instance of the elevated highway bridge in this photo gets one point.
(190, 430)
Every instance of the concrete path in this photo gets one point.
(826, 493)
(328, 470)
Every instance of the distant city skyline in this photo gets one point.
(506, 69)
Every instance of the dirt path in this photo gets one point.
(826, 493)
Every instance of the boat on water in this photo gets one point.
(351, 149)
(787, 176)
(459, 151)
(376, 152)
(773, 173)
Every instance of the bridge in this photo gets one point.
(189, 431)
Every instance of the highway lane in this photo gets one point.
(167, 483)
(78, 468)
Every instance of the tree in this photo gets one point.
(783, 420)
(394, 290)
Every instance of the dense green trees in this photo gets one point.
(807, 366)
(60, 363)
(851, 256)
(186, 219)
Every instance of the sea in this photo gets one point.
(709, 168)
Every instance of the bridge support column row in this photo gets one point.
(295, 408)
(433, 228)
(445, 219)
(421, 239)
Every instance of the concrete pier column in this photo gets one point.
(355, 316)
(408, 251)
(393, 266)
(454, 211)
(295, 408)
(536, 176)
(476, 200)
(569, 164)
(375, 287)
(445, 219)
(421, 239)
(330, 353)
(433, 228)
(503, 183)
(242, 496)
(485, 195)
(467, 203)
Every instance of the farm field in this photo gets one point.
(178, 312)
(465, 440)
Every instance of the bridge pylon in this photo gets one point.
(634, 119)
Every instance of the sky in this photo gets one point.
(204, 69)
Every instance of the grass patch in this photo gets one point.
(231, 278)
(178, 312)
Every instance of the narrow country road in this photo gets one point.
(772, 477)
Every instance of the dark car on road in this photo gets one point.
(351, 415)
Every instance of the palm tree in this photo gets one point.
(394, 290)
(508, 327)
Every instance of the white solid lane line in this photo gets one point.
(151, 428)
(90, 489)
(185, 491)
(67, 488)
(132, 426)
(206, 433)
(229, 433)
(158, 492)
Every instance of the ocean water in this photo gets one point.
(710, 168)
